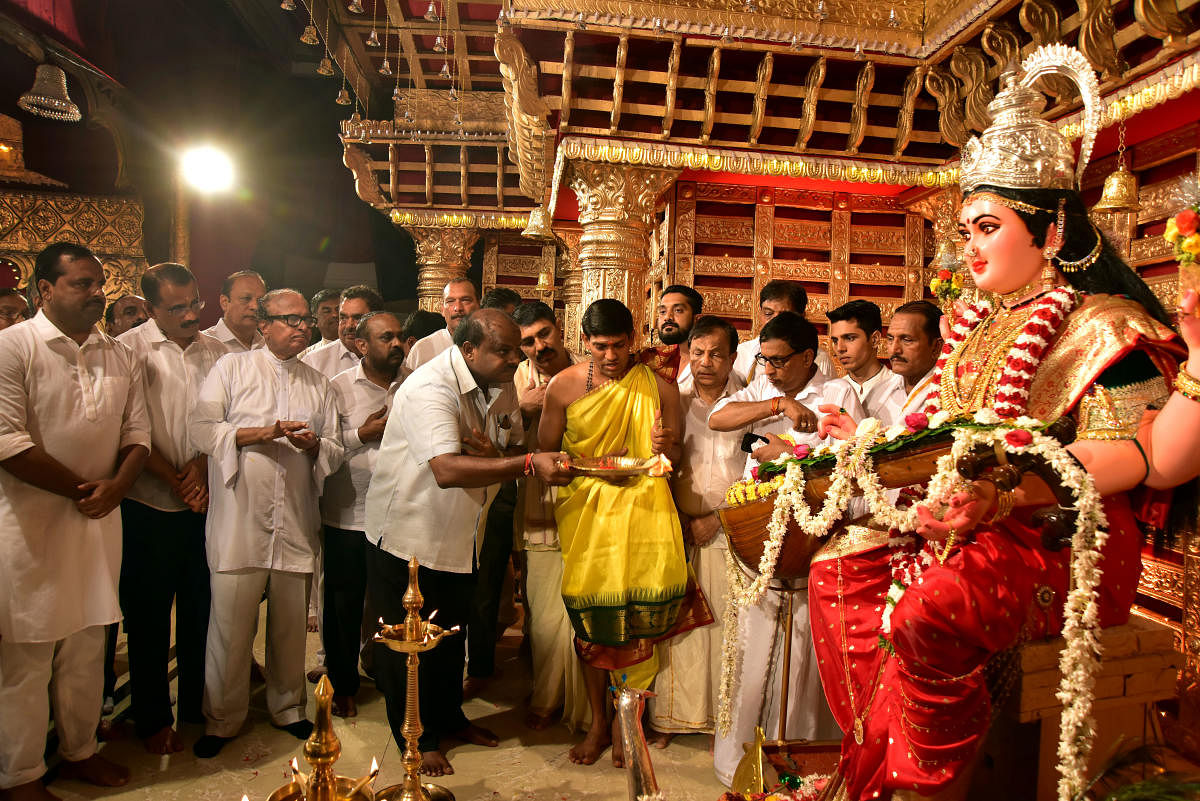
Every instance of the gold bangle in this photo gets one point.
(1188, 385)
(1004, 506)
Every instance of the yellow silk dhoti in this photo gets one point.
(625, 577)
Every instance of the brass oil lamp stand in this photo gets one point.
(413, 637)
(322, 749)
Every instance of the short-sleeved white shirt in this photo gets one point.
(408, 514)
(331, 359)
(426, 348)
(82, 405)
(226, 337)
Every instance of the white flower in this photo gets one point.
(987, 417)
(895, 432)
(939, 419)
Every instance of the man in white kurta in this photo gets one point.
(237, 329)
(687, 686)
(776, 296)
(557, 676)
(913, 342)
(73, 437)
(324, 308)
(770, 404)
(163, 561)
(269, 425)
(364, 395)
(855, 331)
(459, 301)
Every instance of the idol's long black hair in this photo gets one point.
(1108, 274)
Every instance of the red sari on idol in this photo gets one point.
(914, 720)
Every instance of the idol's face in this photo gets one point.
(997, 247)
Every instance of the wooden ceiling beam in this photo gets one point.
(409, 46)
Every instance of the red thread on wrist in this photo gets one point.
(528, 464)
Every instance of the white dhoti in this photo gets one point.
(689, 674)
(67, 675)
(756, 699)
(232, 624)
(557, 674)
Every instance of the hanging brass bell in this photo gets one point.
(1120, 193)
(310, 36)
(48, 96)
(325, 66)
(539, 225)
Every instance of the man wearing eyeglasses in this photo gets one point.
(784, 398)
(14, 308)
(163, 558)
(269, 424)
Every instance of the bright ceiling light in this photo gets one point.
(207, 169)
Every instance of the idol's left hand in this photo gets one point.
(967, 510)
(836, 423)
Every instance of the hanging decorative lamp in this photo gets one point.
(1120, 193)
(48, 96)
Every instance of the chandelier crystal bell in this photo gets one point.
(48, 96)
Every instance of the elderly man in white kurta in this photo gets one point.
(686, 688)
(785, 398)
(73, 437)
(269, 425)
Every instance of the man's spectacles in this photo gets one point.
(16, 314)
(294, 320)
(778, 362)
(178, 311)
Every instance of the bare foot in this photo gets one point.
(165, 741)
(618, 751)
(30, 791)
(659, 739)
(434, 763)
(477, 735)
(344, 706)
(594, 743)
(473, 686)
(311, 625)
(95, 770)
(539, 722)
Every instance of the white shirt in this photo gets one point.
(408, 514)
(171, 377)
(319, 344)
(262, 509)
(881, 395)
(746, 369)
(712, 460)
(331, 359)
(222, 334)
(58, 568)
(819, 390)
(344, 501)
(426, 348)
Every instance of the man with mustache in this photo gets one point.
(557, 680)
(459, 301)
(163, 559)
(125, 313)
(269, 425)
(426, 501)
(14, 308)
(914, 342)
(364, 394)
(776, 296)
(324, 307)
(342, 353)
(237, 329)
(678, 306)
(73, 437)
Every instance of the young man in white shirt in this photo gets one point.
(73, 437)
(786, 397)
(425, 502)
(163, 559)
(914, 340)
(460, 299)
(855, 330)
(364, 394)
(776, 296)
(269, 425)
(687, 686)
(323, 306)
(237, 329)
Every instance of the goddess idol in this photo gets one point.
(1072, 331)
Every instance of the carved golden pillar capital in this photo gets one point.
(616, 211)
(442, 254)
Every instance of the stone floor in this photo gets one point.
(527, 765)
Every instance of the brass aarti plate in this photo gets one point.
(613, 466)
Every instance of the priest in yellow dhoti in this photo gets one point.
(625, 577)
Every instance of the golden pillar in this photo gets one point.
(571, 291)
(616, 211)
(442, 254)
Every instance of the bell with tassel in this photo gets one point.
(48, 96)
